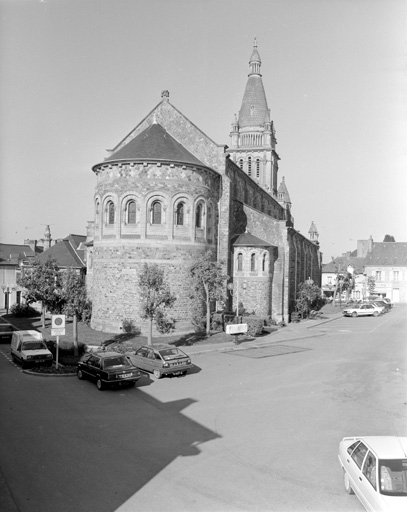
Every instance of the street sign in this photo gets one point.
(236, 328)
(58, 332)
(58, 322)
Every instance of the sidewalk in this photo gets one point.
(293, 331)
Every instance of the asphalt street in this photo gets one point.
(254, 427)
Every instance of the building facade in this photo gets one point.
(167, 193)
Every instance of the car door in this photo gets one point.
(368, 482)
(92, 365)
(354, 469)
(140, 358)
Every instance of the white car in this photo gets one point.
(362, 310)
(375, 469)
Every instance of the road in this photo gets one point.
(249, 430)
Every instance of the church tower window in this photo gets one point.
(249, 166)
(179, 214)
(258, 168)
(199, 216)
(253, 262)
(131, 212)
(240, 262)
(156, 212)
(110, 212)
(241, 163)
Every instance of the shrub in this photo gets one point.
(254, 325)
(198, 317)
(129, 327)
(163, 323)
(23, 310)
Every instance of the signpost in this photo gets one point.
(235, 330)
(57, 329)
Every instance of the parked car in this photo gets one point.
(6, 332)
(389, 301)
(29, 349)
(161, 359)
(381, 304)
(108, 369)
(362, 310)
(375, 469)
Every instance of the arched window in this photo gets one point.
(264, 263)
(249, 166)
(241, 163)
(258, 168)
(199, 216)
(97, 206)
(179, 214)
(253, 262)
(240, 261)
(110, 212)
(156, 212)
(131, 212)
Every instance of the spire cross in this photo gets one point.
(255, 42)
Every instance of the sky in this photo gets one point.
(76, 76)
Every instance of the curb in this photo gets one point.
(38, 374)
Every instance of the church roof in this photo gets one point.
(11, 254)
(254, 111)
(249, 240)
(155, 143)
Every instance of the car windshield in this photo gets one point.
(111, 362)
(33, 345)
(393, 477)
(170, 353)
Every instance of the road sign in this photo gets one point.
(236, 328)
(58, 322)
(58, 332)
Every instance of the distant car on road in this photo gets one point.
(389, 302)
(161, 359)
(375, 469)
(6, 332)
(361, 310)
(382, 304)
(108, 369)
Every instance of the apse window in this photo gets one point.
(179, 214)
(156, 211)
(131, 212)
(199, 216)
(110, 212)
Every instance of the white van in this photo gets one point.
(29, 349)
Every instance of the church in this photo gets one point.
(167, 193)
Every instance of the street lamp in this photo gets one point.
(231, 289)
(7, 289)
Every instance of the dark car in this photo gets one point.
(382, 304)
(161, 359)
(108, 369)
(6, 332)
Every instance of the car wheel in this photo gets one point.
(157, 374)
(354, 314)
(99, 384)
(23, 365)
(79, 374)
(131, 384)
(375, 313)
(346, 483)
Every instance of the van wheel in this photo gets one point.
(99, 385)
(157, 374)
(375, 313)
(79, 374)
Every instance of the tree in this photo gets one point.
(76, 303)
(389, 238)
(155, 295)
(371, 284)
(309, 296)
(42, 283)
(209, 283)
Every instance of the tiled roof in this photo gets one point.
(342, 262)
(249, 240)
(65, 252)
(11, 253)
(387, 253)
(155, 143)
(254, 110)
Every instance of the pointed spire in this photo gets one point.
(282, 193)
(255, 60)
(313, 233)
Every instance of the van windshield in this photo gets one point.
(33, 345)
